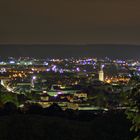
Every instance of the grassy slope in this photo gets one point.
(37, 127)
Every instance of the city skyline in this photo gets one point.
(69, 69)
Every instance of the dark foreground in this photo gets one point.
(67, 126)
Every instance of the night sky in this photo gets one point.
(70, 22)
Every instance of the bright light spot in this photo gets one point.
(59, 92)
(47, 70)
(12, 62)
(55, 95)
(34, 77)
(46, 63)
(2, 70)
(103, 66)
(78, 69)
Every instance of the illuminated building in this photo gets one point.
(101, 74)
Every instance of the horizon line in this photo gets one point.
(64, 43)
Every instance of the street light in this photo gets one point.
(32, 81)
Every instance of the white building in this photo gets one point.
(101, 74)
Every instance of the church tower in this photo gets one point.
(101, 73)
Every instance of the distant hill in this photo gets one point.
(71, 50)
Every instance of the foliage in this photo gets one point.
(8, 97)
(133, 104)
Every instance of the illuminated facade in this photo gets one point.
(101, 74)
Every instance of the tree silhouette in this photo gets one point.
(9, 108)
(34, 109)
(133, 103)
